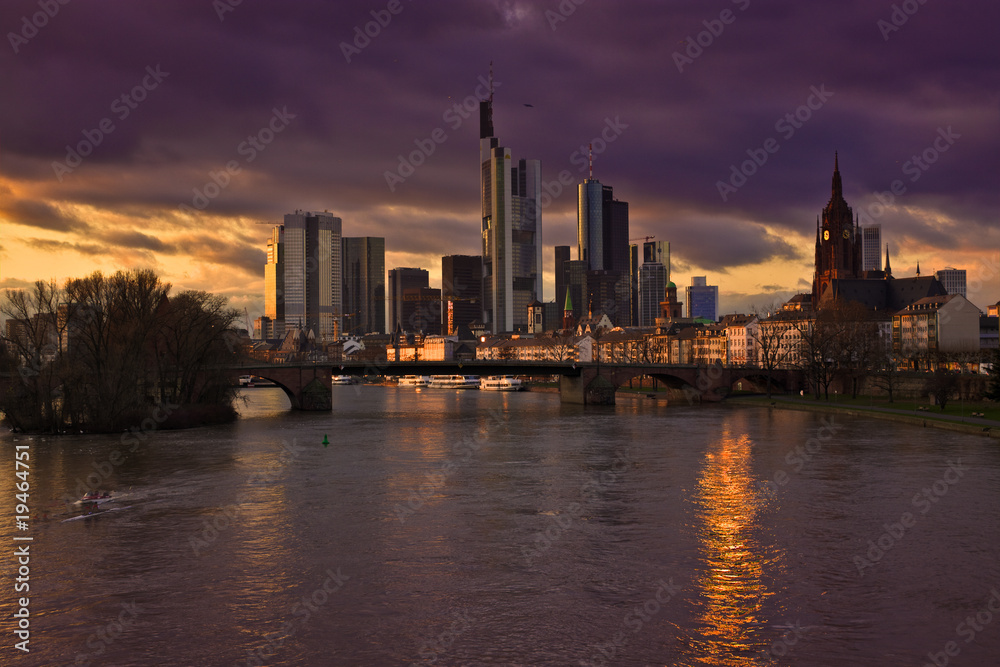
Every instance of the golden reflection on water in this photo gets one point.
(731, 591)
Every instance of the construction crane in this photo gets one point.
(642, 238)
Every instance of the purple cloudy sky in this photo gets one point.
(889, 92)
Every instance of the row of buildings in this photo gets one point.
(325, 287)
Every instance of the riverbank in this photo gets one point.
(969, 425)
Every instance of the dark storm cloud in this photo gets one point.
(49, 245)
(681, 132)
(41, 215)
(138, 240)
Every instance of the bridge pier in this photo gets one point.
(588, 388)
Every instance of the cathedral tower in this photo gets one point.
(838, 241)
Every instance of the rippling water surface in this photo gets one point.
(474, 528)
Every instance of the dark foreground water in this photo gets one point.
(474, 528)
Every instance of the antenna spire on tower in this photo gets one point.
(491, 83)
(590, 158)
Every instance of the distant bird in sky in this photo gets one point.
(530, 105)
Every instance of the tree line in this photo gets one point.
(101, 353)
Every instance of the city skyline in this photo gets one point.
(722, 145)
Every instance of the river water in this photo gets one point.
(475, 528)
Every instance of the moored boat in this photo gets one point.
(501, 383)
(414, 381)
(454, 382)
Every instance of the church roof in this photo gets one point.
(891, 294)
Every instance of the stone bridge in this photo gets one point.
(308, 385)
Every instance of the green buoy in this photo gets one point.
(326, 441)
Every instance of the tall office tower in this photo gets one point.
(562, 256)
(602, 228)
(953, 280)
(273, 325)
(512, 230)
(633, 273)
(602, 242)
(422, 308)
(702, 299)
(871, 248)
(461, 291)
(652, 283)
(302, 275)
(657, 251)
(402, 311)
(575, 274)
(363, 265)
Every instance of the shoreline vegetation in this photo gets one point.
(955, 418)
(107, 354)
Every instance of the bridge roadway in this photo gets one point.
(308, 384)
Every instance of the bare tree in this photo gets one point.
(35, 352)
(767, 341)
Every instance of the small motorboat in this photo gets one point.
(95, 498)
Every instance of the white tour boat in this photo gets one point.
(501, 383)
(454, 382)
(414, 381)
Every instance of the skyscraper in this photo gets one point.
(654, 252)
(406, 307)
(364, 284)
(511, 228)
(561, 256)
(302, 277)
(953, 280)
(461, 291)
(652, 286)
(657, 251)
(702, 299)
(273, 323)
(602, 242)
(871, 248)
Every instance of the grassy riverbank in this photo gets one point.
(956, 417)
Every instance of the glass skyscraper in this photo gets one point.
(364, 285)
(511, 229)
(302, 277)
(702, 299)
